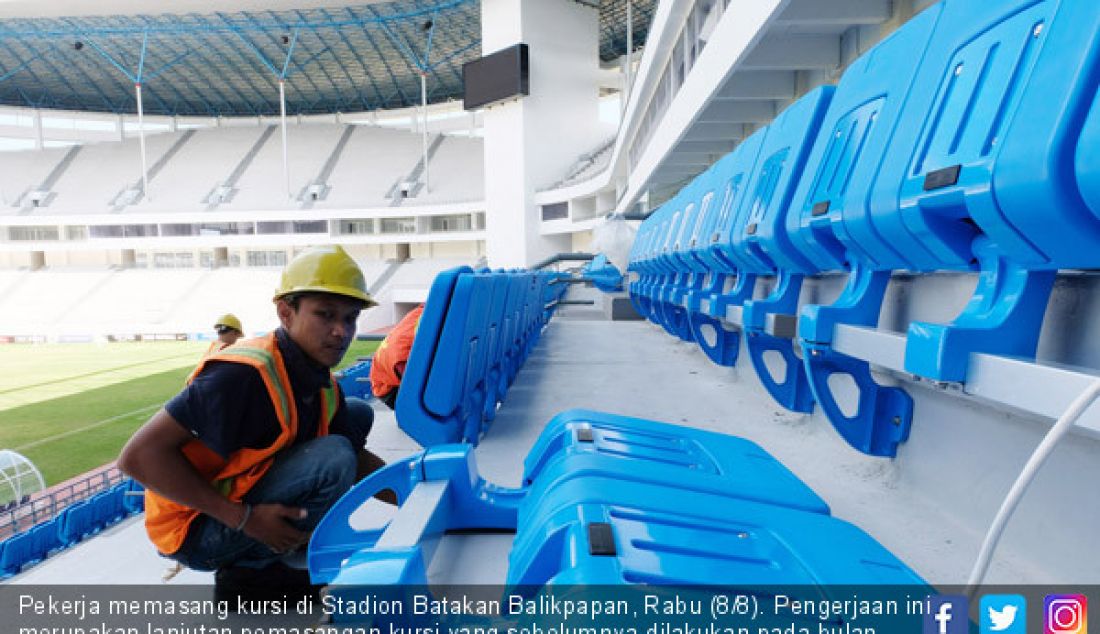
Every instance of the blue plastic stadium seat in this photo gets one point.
(670, 292)
(474, 334)
(761, 236)
(47, 539)
(76, 522)
(1087, 160)
(750, 191)
(135, 500)
(495, 344)
(980, 173)
(603, 274)
(423, 425)
(708, 540)
(608, 499)
(437, 490)
(18, 552)
(613, 499)
(579, 443)
(354, 380)
(103, 510)
(708, 306)
(6, 567)
(828, 224)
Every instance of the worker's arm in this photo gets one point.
(154, 457)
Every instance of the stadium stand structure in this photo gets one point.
(63, 304)
(348, 166)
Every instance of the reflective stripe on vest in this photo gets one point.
(166, 521)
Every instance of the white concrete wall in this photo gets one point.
(530, 142)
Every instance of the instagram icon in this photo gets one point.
(1065, 614)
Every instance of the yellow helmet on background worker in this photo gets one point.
(229, 320)
(324, 270)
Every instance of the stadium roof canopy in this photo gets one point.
(332, 56)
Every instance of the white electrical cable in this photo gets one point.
(1034, 463)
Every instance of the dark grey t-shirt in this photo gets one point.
(227, 406)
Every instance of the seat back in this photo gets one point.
(760, 232)
(987, 139)
(829, 222)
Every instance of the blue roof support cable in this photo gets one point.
(269, 106)
(141, 58)
(259, 54)
(175, 28)
(219, 75)
(431, 34)
(403, 46)
(324, 70)
(63, 79)
(362, 98)
(184, 77)
(16, 70)
(110, 59)
(289, 53)
(176, 60)
(382, 56)
(198, 92)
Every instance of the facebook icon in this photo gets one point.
(946, 614)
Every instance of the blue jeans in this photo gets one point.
(311, 475)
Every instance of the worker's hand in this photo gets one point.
(270, 524)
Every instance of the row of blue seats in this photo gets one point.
(476, 330)
(513, 304)
(70, 526)
(610, 500)
(969, 140)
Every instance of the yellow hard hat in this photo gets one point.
(229, 320)
(324, 270)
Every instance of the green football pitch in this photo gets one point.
(69, 408)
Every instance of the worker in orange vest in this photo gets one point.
(229, 330)
(388, 365)
(242, 464)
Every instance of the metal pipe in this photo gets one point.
(141, 141)
(563, 257)
(424, 123)
(282, 125)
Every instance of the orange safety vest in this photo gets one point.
(215, 347)
(388, 364)
(166, 521)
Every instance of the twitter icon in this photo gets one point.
(1004, 614)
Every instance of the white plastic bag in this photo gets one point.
(614, 238)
